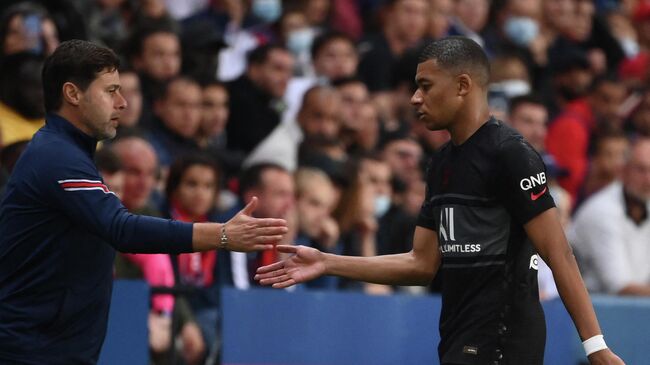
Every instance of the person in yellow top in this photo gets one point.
(21, 97)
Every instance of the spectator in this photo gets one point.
(214, 115)
(611, 230)
(354, 96)
(528, 115)
(154, 50)
(178, 118)
(403, 154)
(569, 135)
(191, 190)
(334, 56)
(403, 28)
(319, 120)
(316, 198)
(130, 82)
(21, 97)
(110, 167)
(256, 97)
(607, 163)
(27, 27)
(140, 165)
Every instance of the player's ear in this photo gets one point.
(71, 93)
(464, 83)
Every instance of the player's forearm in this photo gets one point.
(399, 269)
(574, 293)
(635, 290)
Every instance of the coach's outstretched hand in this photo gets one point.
(605, 357)
(305, 264)
(246, 233)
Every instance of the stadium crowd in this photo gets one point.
(306, 105)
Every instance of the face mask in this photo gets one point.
(521, 30)
(382, 204)
(267, 10)
(514, 87)
(299, 41)
(630, 47)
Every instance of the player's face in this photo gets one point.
(101, 105)
(436, 98)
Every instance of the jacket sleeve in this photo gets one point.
(74, 186)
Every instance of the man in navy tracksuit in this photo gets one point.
(60, 225)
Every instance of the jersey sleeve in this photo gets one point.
(74, 186)
(426, 217)
(522, 180)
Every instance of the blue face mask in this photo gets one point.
(382, 204)
(267, 10)
(521, 30)
(299, 41)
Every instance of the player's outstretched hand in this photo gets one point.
(246, 233)
(605, 357)
(305, 264)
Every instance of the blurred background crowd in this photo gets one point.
(306, 105)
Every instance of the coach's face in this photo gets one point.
(101, 104)
(437, 97)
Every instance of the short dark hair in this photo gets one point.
(346, 80)
(181, 165)
(324, 39)
(251, 178)
(74, 61)
(164, 90)
(260, 54)
(134, 44)
(459, 55)
(107, 160)
(525, 99)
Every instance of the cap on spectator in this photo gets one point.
(202, 34)
(567, 58)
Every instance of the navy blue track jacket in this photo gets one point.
(59, 229)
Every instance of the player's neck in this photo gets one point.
(467, 123)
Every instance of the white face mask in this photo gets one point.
(514, 87)
(300, 41)
(267, 10)
(521, 30)
(382, 204)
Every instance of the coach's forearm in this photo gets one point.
(399, 269)
(205, 236)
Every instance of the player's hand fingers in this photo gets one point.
(271, 274)
(275, 280)
(269, 268)
(284, 284)
(287, 248)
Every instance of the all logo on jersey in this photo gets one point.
(447, 224)
(83, 184)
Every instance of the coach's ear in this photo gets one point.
(464, 84)
(71, 93)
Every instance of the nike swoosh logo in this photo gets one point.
(534, 197)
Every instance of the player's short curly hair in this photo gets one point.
(459, 55)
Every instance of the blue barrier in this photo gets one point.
(268, 327)
(264, 326)
(127, 341)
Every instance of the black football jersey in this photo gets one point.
(479, 196)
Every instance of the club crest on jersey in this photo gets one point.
(530, 182)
